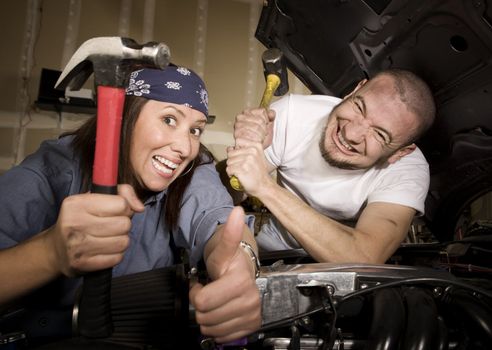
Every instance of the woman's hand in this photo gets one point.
(229, 307)
(91, 232)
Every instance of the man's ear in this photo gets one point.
(402, 152)
(359, 85)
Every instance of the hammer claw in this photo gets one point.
(106, 55)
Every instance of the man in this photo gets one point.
(336, 161)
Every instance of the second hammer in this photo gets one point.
(276, 84)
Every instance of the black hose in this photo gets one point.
(388, 320)
(422, 320)
(442, 335)
(474, 314)
(419, 280)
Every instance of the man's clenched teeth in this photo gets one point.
(163, 164)
(343, 142)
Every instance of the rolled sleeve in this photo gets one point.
(32, 192)
(206, 204)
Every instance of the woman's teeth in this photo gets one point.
(343, 142)
(163, 164)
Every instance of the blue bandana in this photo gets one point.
(177, 85)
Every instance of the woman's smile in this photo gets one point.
(163, 165)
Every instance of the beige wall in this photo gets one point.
(213, 37)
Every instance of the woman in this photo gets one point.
(53, 229)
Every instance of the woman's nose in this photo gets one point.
(182, 143)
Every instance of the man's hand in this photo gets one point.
(91, 232)
(254, 125)
(249, 164)
(229, 307)
(253, 132)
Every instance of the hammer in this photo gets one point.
(111, 59)
(276, 84)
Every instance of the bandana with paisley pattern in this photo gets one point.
(172, 84)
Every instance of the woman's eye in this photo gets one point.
(169, 121)
(196, 131)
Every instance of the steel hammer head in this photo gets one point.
(111, 59)
(274, 63)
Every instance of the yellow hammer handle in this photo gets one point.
(235, 184)
(272, 83)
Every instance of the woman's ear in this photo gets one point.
(402, 152)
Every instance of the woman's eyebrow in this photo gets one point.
(200, 121)
(175, 109)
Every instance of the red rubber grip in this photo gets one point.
(110, 101)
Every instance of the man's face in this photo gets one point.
(369, 127)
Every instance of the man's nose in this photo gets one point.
(356, 130)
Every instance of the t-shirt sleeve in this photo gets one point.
(206, 204)
(407, 184)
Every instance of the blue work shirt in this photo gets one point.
(32, 192)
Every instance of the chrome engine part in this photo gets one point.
(360, 306)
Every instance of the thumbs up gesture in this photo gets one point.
(229, 307)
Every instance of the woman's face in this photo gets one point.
(166, 138)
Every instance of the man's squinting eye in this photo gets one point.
(381, 136)
(358, 108)
(169, 120)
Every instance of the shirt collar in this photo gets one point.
(157, 197)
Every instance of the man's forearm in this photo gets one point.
(325, 239)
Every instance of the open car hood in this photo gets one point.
(331, 45)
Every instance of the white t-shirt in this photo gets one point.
(337, 193)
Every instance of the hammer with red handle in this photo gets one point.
(110, 59)
(276, 84)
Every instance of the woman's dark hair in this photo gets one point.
(84, 146)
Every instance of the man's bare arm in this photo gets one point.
(378, 233)
(380, 228)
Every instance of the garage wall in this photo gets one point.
(213, 37)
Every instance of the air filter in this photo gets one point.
(150, 309)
